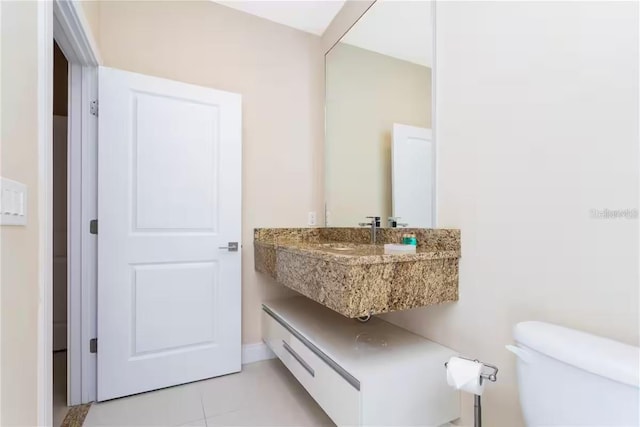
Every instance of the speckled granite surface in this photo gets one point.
(338, 268)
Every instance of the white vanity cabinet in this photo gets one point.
(372, 373)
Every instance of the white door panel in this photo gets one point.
(155, 295)
(413, 176)
(175, 166)
(169, 197)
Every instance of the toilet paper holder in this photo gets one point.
(491, 375)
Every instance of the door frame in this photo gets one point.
(64, 21)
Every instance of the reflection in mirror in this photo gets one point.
(379, 153)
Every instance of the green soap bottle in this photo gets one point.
(409, 239)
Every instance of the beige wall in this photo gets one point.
(19, 245)
(278, 72)
(537, 123)
(91, 10)
(366, 93)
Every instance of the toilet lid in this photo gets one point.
(601, 356)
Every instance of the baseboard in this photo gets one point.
(256, 352)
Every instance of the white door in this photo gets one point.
(169, 198)
(413, 176)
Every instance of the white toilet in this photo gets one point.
(571, 378)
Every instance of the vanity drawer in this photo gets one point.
(394, 380)
(335, 395)
(274, 334)
(338, 397)
(279, 339)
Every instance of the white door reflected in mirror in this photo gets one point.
(413, 175)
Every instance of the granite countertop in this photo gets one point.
(340, 269)
(354, 253)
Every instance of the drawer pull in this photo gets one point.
(300, 360)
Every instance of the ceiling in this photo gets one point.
(398, 28)
(401, 29)
(311, 16)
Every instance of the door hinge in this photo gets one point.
(93, 345)
(93, 108)
(93, 226)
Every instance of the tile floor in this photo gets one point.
(59, 387)
(263, 394)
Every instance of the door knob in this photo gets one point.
(233, 247)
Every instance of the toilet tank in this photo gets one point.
(571, 378)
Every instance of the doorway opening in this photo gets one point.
(60, 172)
(68, 156)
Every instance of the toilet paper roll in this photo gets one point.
(464, 375)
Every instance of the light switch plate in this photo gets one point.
(13, 202)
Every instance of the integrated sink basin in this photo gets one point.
(338, 246)
(341, 269)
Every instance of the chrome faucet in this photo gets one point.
(374, 224)
(392, 222)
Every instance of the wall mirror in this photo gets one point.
(379, 150)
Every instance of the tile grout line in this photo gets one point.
(204, 414)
